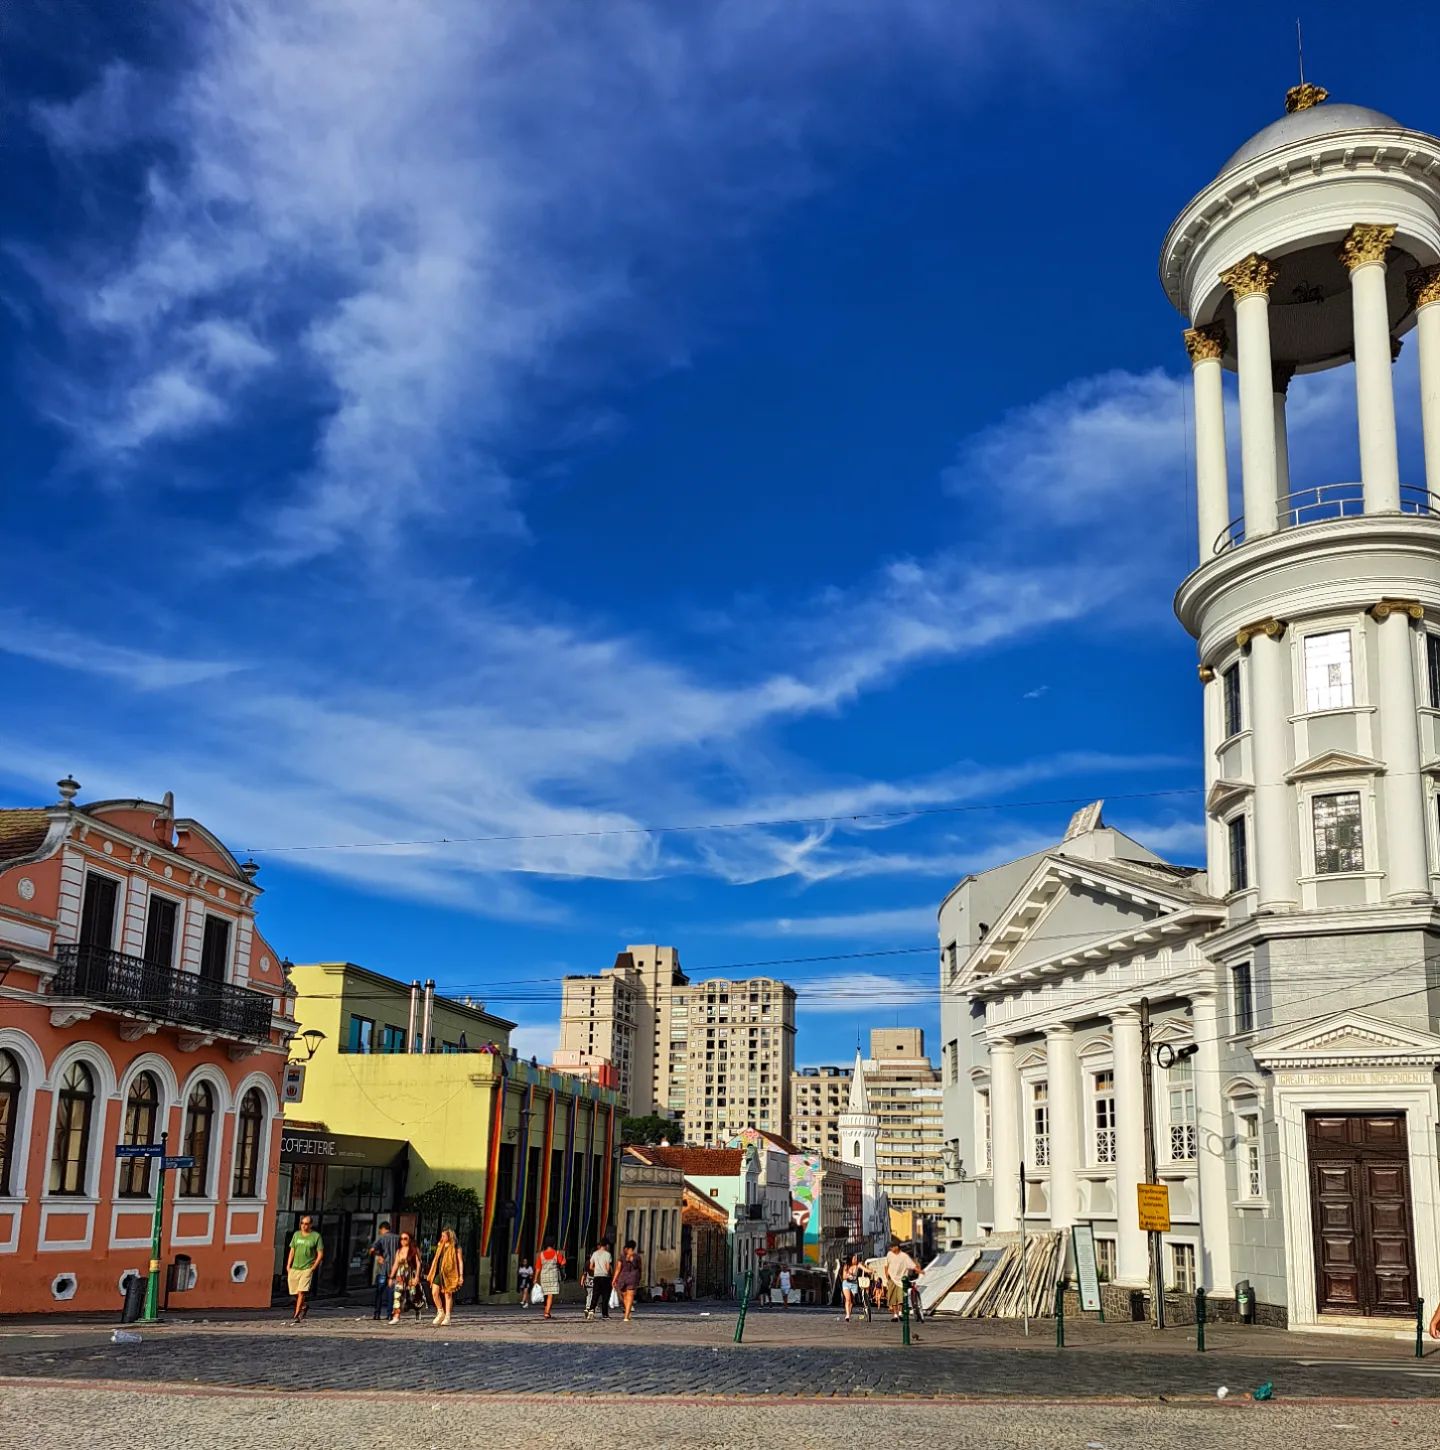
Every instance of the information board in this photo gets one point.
(1082, 1238)
(1154, 1203)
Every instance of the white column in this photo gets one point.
(1005, 1135)
(1407, 870)
(1133, 1262)
(1062, 1082)
(1364, 251)
(1206, 346)
(1250, 282)
(1214, 1137)
(1424, 286)
(1280, 375)
(1273, 848)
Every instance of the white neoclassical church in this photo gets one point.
(1298, 1140)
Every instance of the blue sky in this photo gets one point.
(542, 422)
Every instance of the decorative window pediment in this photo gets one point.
(1349, 1039)
(1224, 795)
(1335, 762)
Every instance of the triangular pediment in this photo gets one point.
(1074, 905)
(1224, 794)
(1347, 1039)
(1336, 762)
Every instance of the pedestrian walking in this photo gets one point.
(447, 1270)
(600, 1269)
(897, 1265)
(850, 1284)
(302, 1262)
(762, 1283)
(784, 1287)
(551, 1268)
(627, 1278)
(404, 1278)
(382, 1251)
(525, 1275)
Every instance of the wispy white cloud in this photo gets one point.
(50, 644)
(904, 923)
(857, 993)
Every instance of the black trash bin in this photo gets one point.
(134, 1305)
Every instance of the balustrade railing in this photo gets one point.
(1323, 503)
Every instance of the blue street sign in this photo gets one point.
(185, 1162)
(139, 1150)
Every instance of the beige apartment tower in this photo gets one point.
(904, 1092)
(716, 1056)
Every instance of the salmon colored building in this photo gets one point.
(136, 997)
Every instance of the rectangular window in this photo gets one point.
(1432, 668)
(215, 949)
(1239, 854)
(97, 915)
(1251, 1169)
(392, 1039)
(362, 1034)
(1329, 681)
(1040, 1122)
(1234, 713)
(952, 961)
(1180, 1087)
(1339, 843)
(982, 1105)
(1104, 1117)
(1182, 1268)
(1105, 1257)
(1242, 995)
(952, 1060)
(160, 922)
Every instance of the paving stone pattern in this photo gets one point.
(314, 1361)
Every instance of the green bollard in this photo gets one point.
(1059, 1316)
(1200, 1320)
(1419, 1329)
(905, 1310)
(744, 1304)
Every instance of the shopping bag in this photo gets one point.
(537, 1295)
(614, 1299)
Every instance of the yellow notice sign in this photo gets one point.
(1154, 1201)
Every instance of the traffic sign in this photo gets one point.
(1154, 1204)
(185, 1161)
(139, 1150)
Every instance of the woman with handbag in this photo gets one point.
(404, 1277)
(627, 1278)
(550, 1268)
(447, 1269)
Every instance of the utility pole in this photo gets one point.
(1147, 1098)
(1024, 1278)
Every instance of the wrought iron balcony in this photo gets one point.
(1324, 503)
(132, 984)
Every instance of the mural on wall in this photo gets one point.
(806, 1176)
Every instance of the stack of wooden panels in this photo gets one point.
(1015, 1285)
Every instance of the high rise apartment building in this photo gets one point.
(904, 1093)
(716, 1056)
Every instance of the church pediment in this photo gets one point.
(1348, 1039)
(1336, 762)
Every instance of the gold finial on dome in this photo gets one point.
(1303, 96)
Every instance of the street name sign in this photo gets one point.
(139, 1150)
(1154, 1204)
(1082, 1239)
(186, 1161)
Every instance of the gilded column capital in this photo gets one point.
(1251, 276)
(1303, 96)
(1364, 243)
(1280, 375)
(1272, 628)
(1205, 344)
(1384, 608)
(1423, 286)
(1206, 674)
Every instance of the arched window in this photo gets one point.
(74, 1114)
(199, 1122)
(249, 1127)
(9, 1115)
(142, 1109)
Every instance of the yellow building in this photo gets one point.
(537, 1147)
(651, 1199)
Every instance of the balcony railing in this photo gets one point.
(132, 984)
(1325, 502)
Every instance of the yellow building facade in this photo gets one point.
(537, 1147)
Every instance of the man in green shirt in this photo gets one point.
(307, 1253)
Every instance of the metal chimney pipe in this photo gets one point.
(414, 1009)
(429, 1012)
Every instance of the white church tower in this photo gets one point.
(859, 1139)
(1315, 604)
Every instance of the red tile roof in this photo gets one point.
(22, 831)
(697, 1162)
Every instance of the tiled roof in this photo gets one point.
(697, 1162)
(22, 831)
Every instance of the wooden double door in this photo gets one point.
(1360, 1212)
